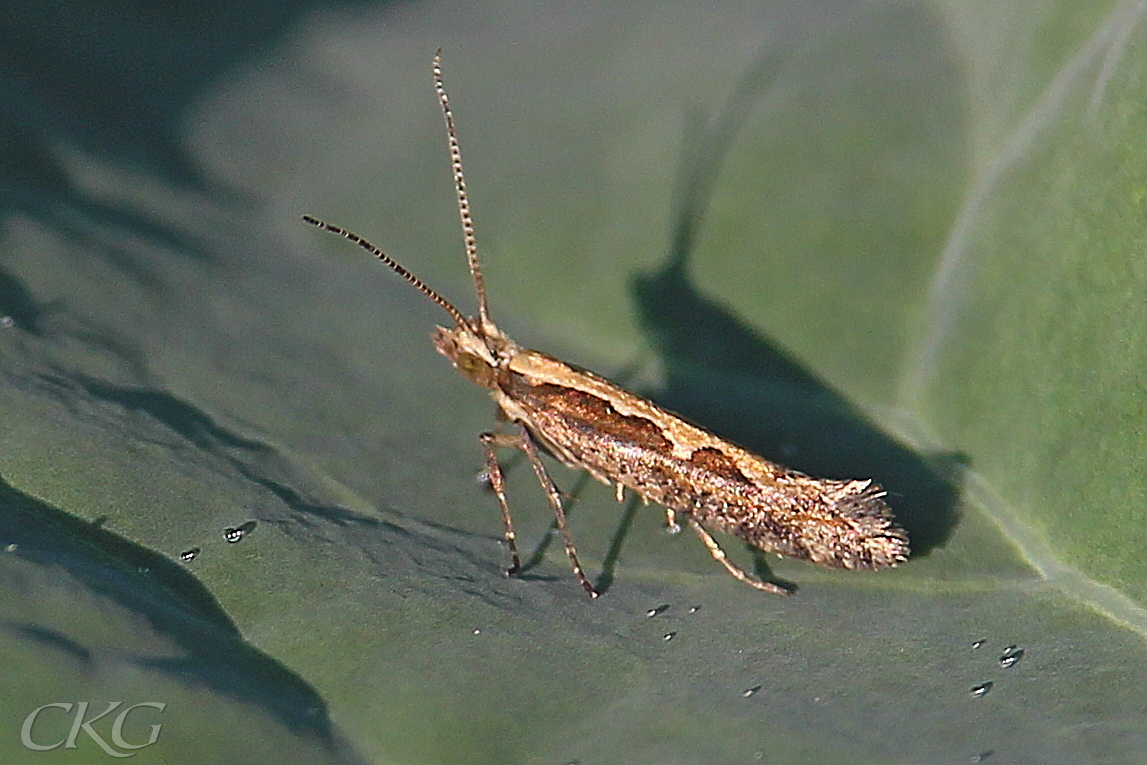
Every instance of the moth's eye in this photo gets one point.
(476, 369)
(469, 364)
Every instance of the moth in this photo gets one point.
(586, 422)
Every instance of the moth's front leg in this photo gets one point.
(498, 484)
(525, 443)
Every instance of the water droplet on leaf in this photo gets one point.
(233, 535)
(1010, 656)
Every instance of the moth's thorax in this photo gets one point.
(476, 353)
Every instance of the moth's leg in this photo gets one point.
(498, 484)
(499, 417)
(719, 554)
(525, 443)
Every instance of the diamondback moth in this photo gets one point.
(586, 422)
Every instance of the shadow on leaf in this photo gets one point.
(726, 375)
(172, 601)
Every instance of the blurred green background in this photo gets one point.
(898, 240)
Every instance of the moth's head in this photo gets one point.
(476, 355)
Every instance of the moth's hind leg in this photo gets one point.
(524, 443)
(737, 572)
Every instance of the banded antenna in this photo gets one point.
(394, 265)
(463, 213)
(463, 197)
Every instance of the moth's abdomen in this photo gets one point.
(621, 438)
(840, 524)
(832, 523)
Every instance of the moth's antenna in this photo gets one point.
(395, 266)
(463, 199)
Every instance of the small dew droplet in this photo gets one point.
(1009, 657)
(694, 609)
(143, 569)
(7, 322)
(750, 691)
(983, 755)
(657, 610)
(981, 690)
(10, 548)
(189, 555)
(233, 535)
(668, 636)
(477, 632)
(978, 643)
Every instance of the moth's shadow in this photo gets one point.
(729, 377)
(726, 376)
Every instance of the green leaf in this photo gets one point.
(902, 243)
